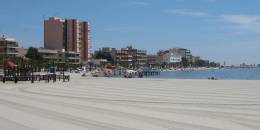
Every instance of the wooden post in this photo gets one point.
(64, 72)
(4, 79)
(32, 77)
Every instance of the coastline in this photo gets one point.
(130, 104)
(191, 69)
(220, 74)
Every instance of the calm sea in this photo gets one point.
(226, 74)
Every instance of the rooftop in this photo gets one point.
(3, 38)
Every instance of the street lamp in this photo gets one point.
(4, 59)
(64, 58)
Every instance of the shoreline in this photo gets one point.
(168, 79)
(190, 69)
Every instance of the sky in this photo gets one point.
(218, 30)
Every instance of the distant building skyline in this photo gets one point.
(219, 30)
(126, 57)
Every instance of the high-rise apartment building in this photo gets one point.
(69, 34)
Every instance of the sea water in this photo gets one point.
(224, 74)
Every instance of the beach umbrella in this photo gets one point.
(10, 64)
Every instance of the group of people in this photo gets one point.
(212, 78)
(134, 74)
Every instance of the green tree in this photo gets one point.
(202, 63)
(184, 62)
(35, 57)
(2, 59)
(33, 54)
(214, 64)
(105, 55)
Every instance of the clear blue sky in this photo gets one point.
(220, 30)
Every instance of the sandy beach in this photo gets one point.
(130, 104)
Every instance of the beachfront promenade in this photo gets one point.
(130, 104)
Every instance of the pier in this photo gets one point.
(148, 73)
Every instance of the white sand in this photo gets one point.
(130, 104)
